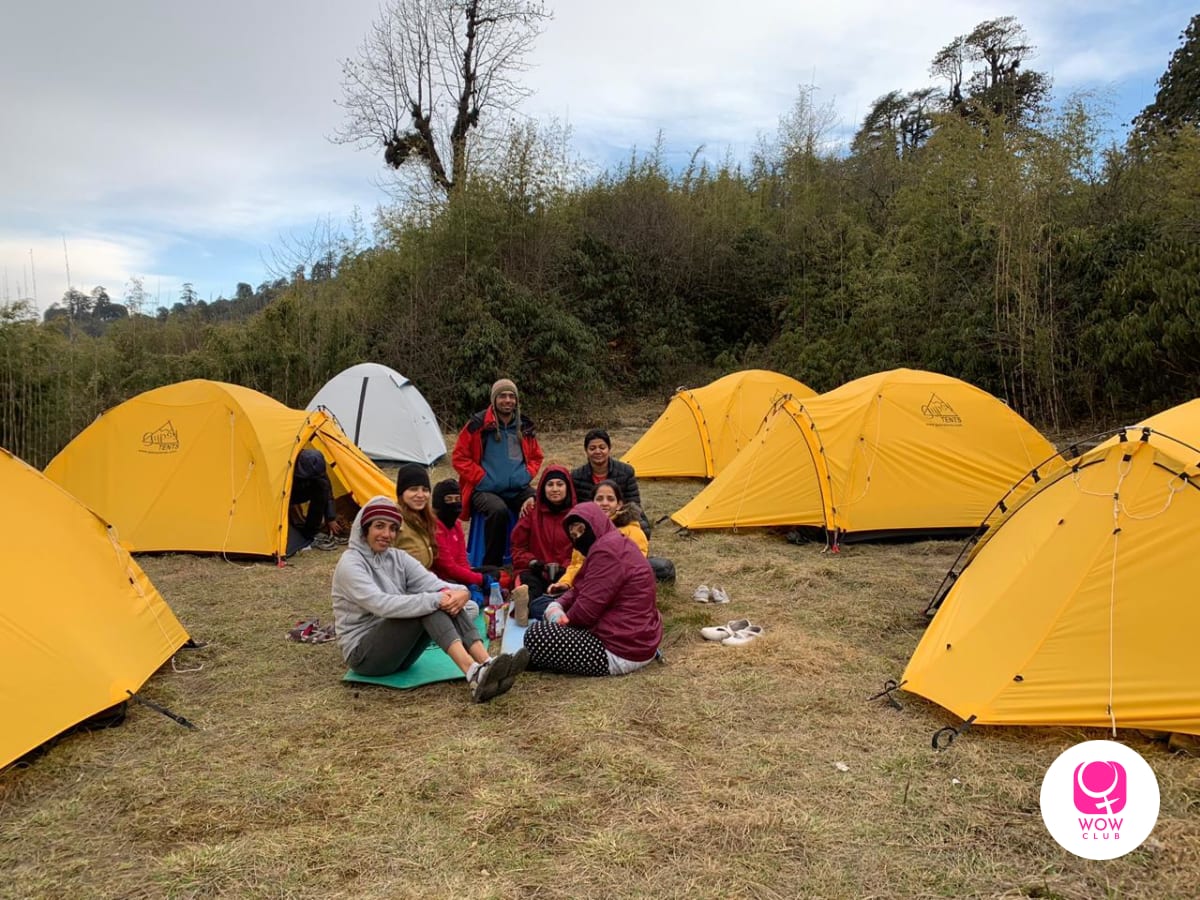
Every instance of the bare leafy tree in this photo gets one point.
(802, 138)
(319, 252)
(950, 63)
(425, 74)
(135, 294)
(805, 128)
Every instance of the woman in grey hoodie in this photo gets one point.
(387, 607)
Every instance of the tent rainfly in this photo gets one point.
(205, 466)
(701, 430)
(897, 453)
(1075, 606)
(81, 626)
(383, 413)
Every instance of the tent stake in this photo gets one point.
(160, 709)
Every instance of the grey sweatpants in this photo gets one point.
(394, 644)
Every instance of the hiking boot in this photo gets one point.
(520, 601)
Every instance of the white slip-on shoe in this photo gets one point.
(743, 636)
(721, 632)
(702, 594)
(718, 595)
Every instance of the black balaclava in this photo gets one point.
(447, 513)
(584, 542)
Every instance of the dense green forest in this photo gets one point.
(972, 228)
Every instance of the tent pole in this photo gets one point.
(362, 402)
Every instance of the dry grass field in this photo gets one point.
(715, 775)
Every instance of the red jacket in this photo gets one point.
(539, 534)
(614, 596)
(451, 564)
(468, 452)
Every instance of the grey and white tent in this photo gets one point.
(383, 413)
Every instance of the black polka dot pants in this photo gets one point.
(558, 648)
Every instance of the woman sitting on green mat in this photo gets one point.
(387, 607)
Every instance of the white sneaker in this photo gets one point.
(702, 594)
(496, 676)
(476, 675)
(324, 541)
(718, 595)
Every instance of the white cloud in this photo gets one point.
(142, 129)
(36, 268)
(706, 71)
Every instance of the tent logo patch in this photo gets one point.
(940, 413)
(1100, 799)
(163, 439)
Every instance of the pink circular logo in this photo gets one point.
(1100, 799)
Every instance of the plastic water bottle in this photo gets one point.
(494, 615)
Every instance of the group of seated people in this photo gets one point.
(579, 569)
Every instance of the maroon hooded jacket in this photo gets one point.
(539, 534)
(614, 596)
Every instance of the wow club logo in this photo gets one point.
(1100, 787)
(1100, 799)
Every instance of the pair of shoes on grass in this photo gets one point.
(706, 594)
(325, 541)
(497, 675)
(311, 631)
(732, 634)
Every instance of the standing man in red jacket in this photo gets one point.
(497, 456)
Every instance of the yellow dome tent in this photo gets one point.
(1076, 606)
(81, 626)
(898, 452)
(205, 466)
(701, 430)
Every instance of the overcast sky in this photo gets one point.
(182, 142)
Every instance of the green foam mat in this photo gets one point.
(431, 667)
